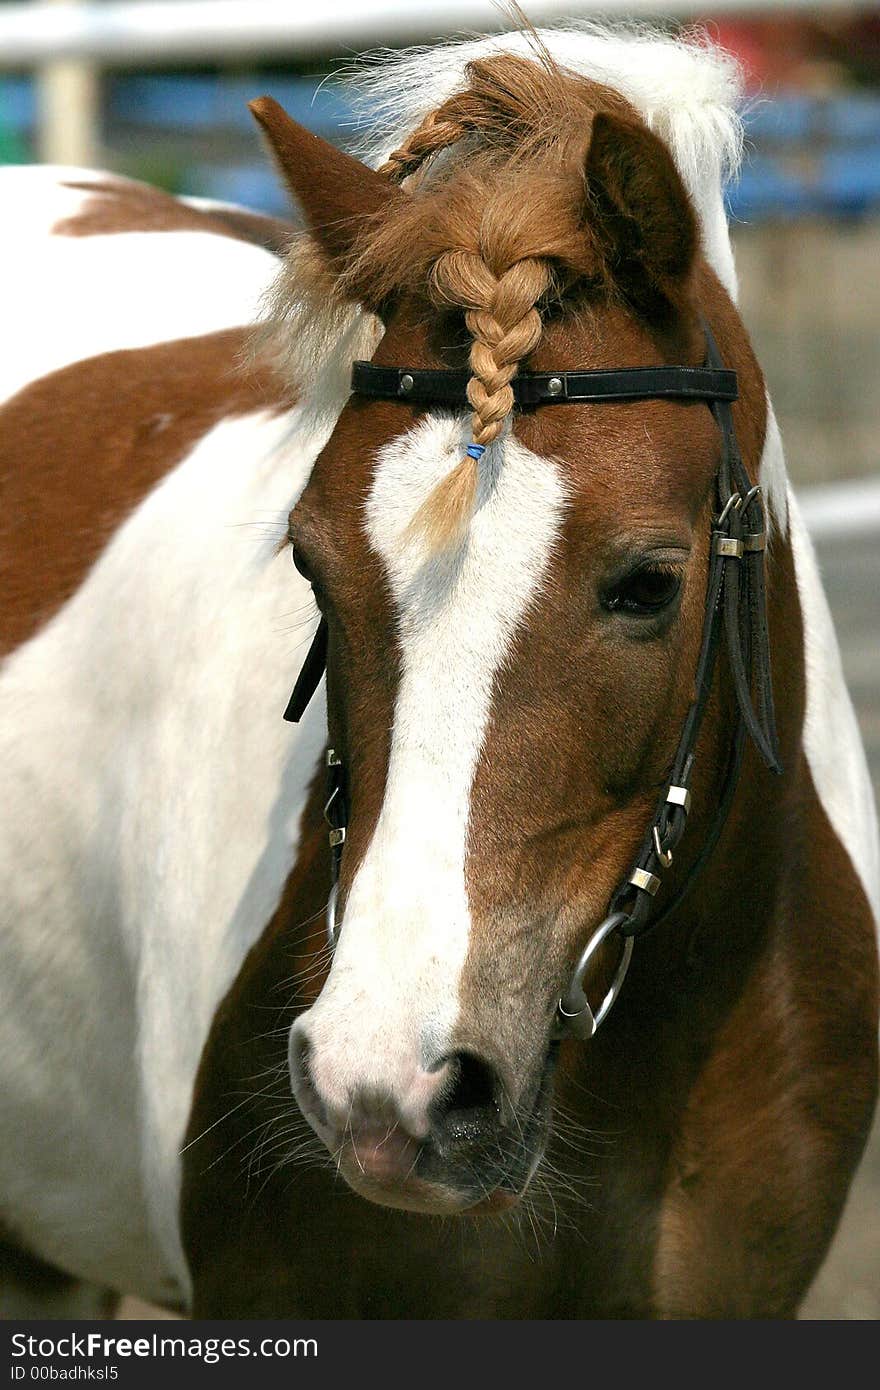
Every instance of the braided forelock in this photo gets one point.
(440, 129)
(502, 318)
(503, 321)
(503, 262)
(501, 102)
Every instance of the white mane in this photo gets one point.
(685, 89)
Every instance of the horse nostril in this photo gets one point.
(469, 1105)
(301, 1080)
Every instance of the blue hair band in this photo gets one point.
(476, 451)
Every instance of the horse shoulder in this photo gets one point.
(788, 1084)
(152, 791)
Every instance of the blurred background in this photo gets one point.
(157, 90)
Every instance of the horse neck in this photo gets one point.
(749, 867)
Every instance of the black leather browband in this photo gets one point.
(549, 388)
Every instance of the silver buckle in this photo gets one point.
(337, 837)
(733, 502)
(679, 796)
(331, 915)
(664, 855)
(728, 547)
(641, 878)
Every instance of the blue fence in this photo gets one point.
(811, 155)
(805, 155)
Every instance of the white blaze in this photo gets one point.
(392, 997)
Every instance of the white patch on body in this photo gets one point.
(832, 741)
(152, 792)
(73, 297)
(831, 737)
(152, 797)
(773, 477)
(392, 998)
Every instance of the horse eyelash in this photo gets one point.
(672, 568)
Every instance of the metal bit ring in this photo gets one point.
(576, 1015)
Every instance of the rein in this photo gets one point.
(736, 612)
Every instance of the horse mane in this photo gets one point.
(491, 136)
(687, 90)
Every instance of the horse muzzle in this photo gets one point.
(446, 1141)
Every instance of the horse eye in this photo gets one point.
(644, 591)
(300, 565)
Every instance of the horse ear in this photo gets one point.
(337, 193)
(640, 210)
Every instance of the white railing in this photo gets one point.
(835, 510)
(69, 42)
(153, 32)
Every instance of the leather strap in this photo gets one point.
(736, 610)
(310, 675)
(714, 383)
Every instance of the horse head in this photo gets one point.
(512, 605)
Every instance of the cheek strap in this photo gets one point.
(309, 677)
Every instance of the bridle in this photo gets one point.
(735, 607)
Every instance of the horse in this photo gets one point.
(532, 971)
